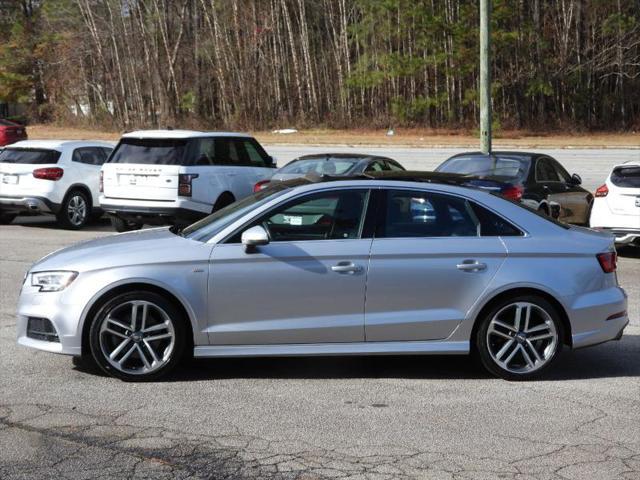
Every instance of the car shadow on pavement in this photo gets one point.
(629, 252)
(101, 224)
(610, 360)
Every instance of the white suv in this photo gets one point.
(616, 206)
(179, 176)
(52, 176)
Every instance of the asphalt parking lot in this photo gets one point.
(370, 417)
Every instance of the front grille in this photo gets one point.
(41, 329)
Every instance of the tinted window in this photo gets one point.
(491, 225)
(89, 155)
(203, 152)
(320, 166)
(257, 158)
(394, 167)
(626, 177)
(329, 215)
(511, 167)
(423, 214)
(29, 156)
(376, 166)
(562, 174)
(150, 151)
(545, 172)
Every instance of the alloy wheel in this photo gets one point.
(137, 337)
(522, 338)
(77, 210)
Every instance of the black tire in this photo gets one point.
(487, 348)
(75, 210)
(223, 200)
(122, 225)
(132, 368)
(7, 218)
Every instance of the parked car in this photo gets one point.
(179, 176)
(11, 132)
(616, 207)
(338, 164)
(52, 176)
(284, 273)
(538, 180)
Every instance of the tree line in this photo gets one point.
(336, 63)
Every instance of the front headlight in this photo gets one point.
(52, 281)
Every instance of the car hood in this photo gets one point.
(132, 248)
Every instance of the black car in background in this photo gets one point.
(535, 179)
(332, 164)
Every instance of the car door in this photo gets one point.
(428, 266)
(306, 286)
(573, 199)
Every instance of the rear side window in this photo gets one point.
(150, 151)
(626, 177)
(89, 155)
(492, 225)
(30, 156)
(424, 214)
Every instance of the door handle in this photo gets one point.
(471, 266)
(346, 267)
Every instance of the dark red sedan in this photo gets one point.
(11, 132)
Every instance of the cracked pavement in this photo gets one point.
(312, 418)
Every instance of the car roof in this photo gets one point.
(630, 163)
(514, 153)
(179, 134)
(59, 144)
(342, 155)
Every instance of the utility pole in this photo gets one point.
(485, 76)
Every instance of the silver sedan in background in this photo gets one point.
(387, 265)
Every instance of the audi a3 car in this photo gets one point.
(616, 208)
(179, 176)
(446, 269)
(537, 180)
(332, 164)
(59, 177)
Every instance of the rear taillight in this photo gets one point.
(513, 192)
(51, 173)
(602, 191)
(607, 261)
(261, 185)
(101, 181)
(184, 184)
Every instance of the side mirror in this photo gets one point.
(575, 179)
(274, 162)
(253, 237)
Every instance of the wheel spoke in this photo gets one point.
(134, 315)
(541, 337)
(493, 331)
(115, 322)
(511, 355)
(145, 311)
(159, 337)
(155, 328)
(119, 349)
(526, 355)
(113, 332)
(143, 357)
(127, 355)
(538, 328)
(151, 351)
(504, 349)
(533, 350)
(517, 319)
(503, 325)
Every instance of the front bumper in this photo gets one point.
(27, 204)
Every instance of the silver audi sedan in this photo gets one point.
(372, 266)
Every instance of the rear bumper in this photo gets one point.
(28, 204)
(623, 236)
(152, 215)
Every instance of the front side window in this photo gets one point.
(335, 215)
(31, 156)
(425, 214)
(394, 167)
(545, 171)
(150, 151)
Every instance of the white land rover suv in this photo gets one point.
(179, 176)
(52, 176)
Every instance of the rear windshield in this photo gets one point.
(321, 166)
(149, 151)
(626, 176)
(505, 166)
(29, 156)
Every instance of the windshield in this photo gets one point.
(321, 166)
(628, 177)
(153, 151)
(31, 156)
(510, 167)
(209, 226)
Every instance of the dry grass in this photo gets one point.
(402, 138)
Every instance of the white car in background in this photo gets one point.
(616, 207)
(179, 176)
(52, 176)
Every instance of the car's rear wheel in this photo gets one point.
(138, 336)
(75, 210)
(122, 225)
(7, 218)
(519, 338)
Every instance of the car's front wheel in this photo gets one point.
(138, 336)
(519, 338)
